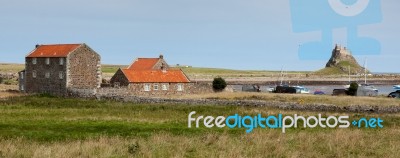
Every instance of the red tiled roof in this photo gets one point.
(155, 76)
(57, 50)
(143, 64)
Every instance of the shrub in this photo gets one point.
(7, 82)
(353, 89)
(1, 79)
(219, 84)
(133, 148)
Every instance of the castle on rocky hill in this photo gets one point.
(343, 60)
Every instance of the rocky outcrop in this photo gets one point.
(342, 59)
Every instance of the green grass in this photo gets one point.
(111, 68)
(45, 126)
(354, 68)
(214, 72)
(48, 119)
(329, 71)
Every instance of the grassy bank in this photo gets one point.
(299, 98)
(34, 126)
(11, 68)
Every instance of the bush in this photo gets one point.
(1, 79)
(219, 84)
(352, 89)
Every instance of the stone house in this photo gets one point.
(57, 69)
(152, 76)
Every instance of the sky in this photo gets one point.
(232, 34)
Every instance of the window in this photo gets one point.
(61, 75)
(22, 88)
(47, 61)
(34, 74)
(180, 87)
(61, 61)
(34, 61)
(47, 75)
(156, 87)
(116, 84)
(164, 87)
(146, 87)
(22, 75)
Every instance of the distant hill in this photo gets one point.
(340, 62)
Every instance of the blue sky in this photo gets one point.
(235, 34)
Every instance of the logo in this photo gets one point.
(327, 15)
(280, 122)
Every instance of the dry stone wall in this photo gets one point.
(258, 103)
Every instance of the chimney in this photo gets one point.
(161, 56)
(163, 69)
(37, 45)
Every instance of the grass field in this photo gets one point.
(43, 126)
(12, 68)
(111, 68)
(298, 98)
(190, 71)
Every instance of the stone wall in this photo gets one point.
(138, 90)
(82, 92)
(40, 84)
(84, 68)
(172, 89)
(161, 64)
(120, 78)
(124, 94)
(259, 103)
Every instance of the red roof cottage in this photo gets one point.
(152, 76)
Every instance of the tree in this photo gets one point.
(219, 84)
(352, 89)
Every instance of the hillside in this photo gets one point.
(340, 63)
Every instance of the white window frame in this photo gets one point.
(147, 87)
(34, 74)
(155, 87)
(47, 75)
(61, 61)
(61, 75)
(179, 87)
(47, 61)
(164, 87)
(34, 61)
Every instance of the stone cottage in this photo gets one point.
(152, 76)
(60, 68)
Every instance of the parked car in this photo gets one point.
(285, 89)
(319, 92)
(394, 94)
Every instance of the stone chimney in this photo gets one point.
(163, 68)
(161, 56)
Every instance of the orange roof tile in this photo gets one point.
(155, 76)
(143, 64)
(57, 50)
